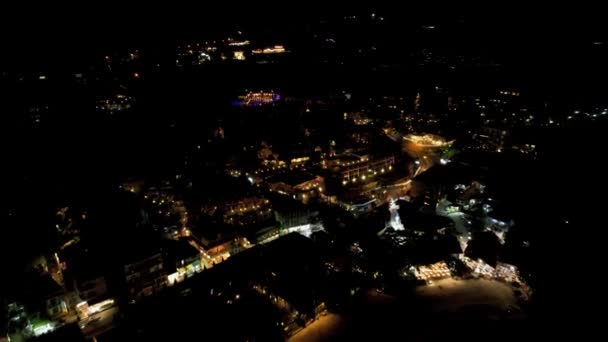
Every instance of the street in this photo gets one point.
(100, 322)
(322, 329)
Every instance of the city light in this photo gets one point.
(239, 55)
(239, 43)
(44, 329)
(258, 98)
(217, 152)
(270, 50)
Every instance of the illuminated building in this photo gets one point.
(293, 216)
(62, 305)
(258, 98)
(417, 102)
(427, 140)
(238, 55)
(490, 139)
(367, 169)
(300, 185)
(358, 118)
(395, 220)
(195, 54)
(270, 50)
(183, 259)
(344, 161)
(238, 43)
(145, 276)
(246, 210)
(434, 271)
(114, 104)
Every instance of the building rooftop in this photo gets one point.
(292, 178)
(66, 333)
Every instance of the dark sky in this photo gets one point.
(551, 41)
(95, 22)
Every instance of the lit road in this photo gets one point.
(100, 322)
(323, 329)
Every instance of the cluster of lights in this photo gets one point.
(512, 93)
(239, 55)
(364, 177)
(239, 43)
(259, 98)
(118, 103)
(270, 50)
(426, 140)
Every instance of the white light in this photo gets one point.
(250, 180)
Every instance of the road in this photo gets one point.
(105, 322)
(323, 329)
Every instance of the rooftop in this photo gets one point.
(292, 178)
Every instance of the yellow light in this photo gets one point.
(363, 177)
(239, 55)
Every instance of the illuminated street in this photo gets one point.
(322, 329)
(100, 322)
